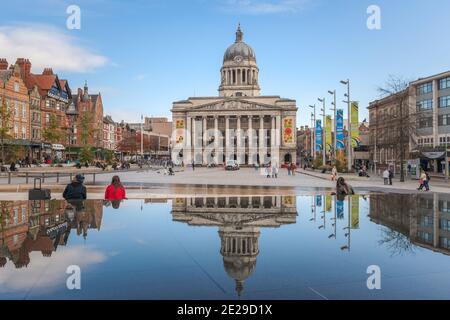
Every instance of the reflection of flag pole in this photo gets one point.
(349, 219)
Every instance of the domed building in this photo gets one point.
(240, 124)
(239, 70)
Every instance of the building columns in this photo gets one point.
(250, 140)
(216, 140)
(239, 135)
(262, 141)
(188, 148)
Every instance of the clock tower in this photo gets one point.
(239, 73)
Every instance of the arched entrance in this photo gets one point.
(287, 158)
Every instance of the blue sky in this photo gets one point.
(143, 55)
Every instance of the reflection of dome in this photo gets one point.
(239, 49)
(239, 269)
(239, 248)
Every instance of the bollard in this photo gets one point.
(93, 177)
(70, 176)
(57, 177)
(9, 177)
(43, 177)
(26, 177)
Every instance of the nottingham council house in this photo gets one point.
(239, 124)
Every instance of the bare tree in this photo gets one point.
(403, 123)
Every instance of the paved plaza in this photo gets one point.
(154, 183)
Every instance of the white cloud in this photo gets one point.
(140, 77)
(45, 274)
(259, 7)
(47, 46)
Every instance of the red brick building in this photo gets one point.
(55, 95)
(14, 91)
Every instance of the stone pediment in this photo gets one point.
(235, 105)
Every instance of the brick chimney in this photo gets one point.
(48, 72)
(3, 64)
(25, 68)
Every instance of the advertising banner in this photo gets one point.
(318, 136)
(340, 209)
(356, 141)
(328, 133)
(355, 212)
(340, 144)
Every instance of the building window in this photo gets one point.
(16, 109)
(47, 117)
(425, 105)
(425, 88)
(444, 120)
(444, 102)
(16, 131)
(426, 122)
(444, 83)
(24, 132)
(16, 87)
(24, 111)
(16, 216)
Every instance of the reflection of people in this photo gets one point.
(342, 188)
(116, 204)
(115, 191)
(75, 190)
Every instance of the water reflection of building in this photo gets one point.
(42, 226)
(239, 220)
(423, 218)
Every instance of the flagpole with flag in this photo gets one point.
(142, 137)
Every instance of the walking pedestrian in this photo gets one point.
(334, 173)
(423, 181)
(386, 176)
(391, 176)
(268, 171)
(274, 171)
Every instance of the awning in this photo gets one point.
(58, 147)
(434, 154)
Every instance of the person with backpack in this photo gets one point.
(76, 189)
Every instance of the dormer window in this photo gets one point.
(16, 87)
(238, 94)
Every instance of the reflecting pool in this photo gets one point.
(216, 247)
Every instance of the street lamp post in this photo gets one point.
(334, 121)
(349, 127)
(311, 136)
(324, 151)
(446, 158)
(314, 126)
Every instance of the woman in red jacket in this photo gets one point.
(115, 191)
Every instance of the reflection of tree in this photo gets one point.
(397, 243)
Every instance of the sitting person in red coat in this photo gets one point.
(115, 191)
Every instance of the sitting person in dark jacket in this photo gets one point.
(342, 188)
(75, 190)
